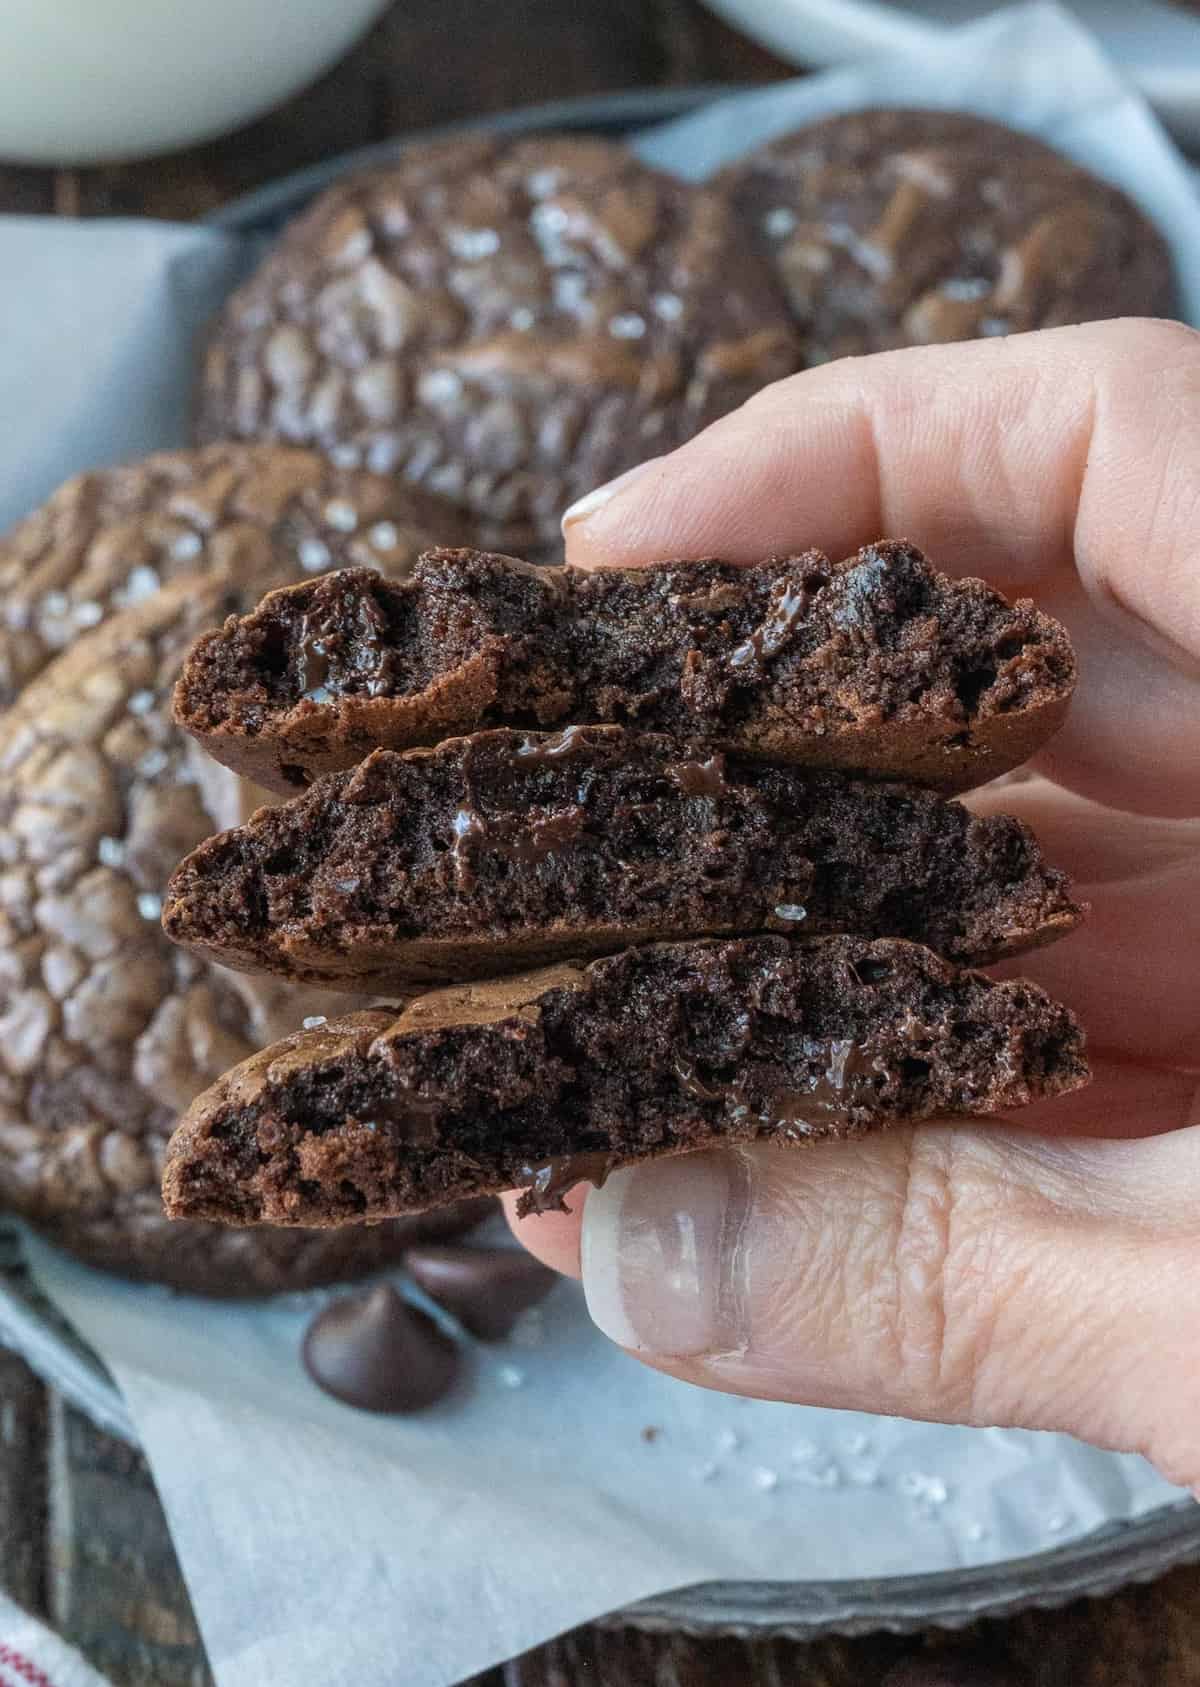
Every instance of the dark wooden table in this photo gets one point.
(83, 1540)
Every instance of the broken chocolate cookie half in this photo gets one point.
(876, 665)
(541, 1080)
(506, 850)
(728, 784)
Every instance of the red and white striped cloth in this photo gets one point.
(31, 1655)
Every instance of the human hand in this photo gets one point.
(1043, 1274)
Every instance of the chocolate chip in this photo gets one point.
(376, 1352)
(487, 1289)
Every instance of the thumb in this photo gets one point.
(947, 1273)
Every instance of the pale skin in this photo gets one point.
(1045, 1273)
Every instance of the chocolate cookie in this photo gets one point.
(508, 323)
(107, 1031)
(507, 850)
(542, 1081)
(875, 665)
(895, 228)
(106, 540)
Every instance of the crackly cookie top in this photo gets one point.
(108, 539)
(107, 1030)
(508, 323)
(890, 228)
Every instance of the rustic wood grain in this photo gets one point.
(101, 1565)
(114, 1588)
(22, 1482)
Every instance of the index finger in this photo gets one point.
(1064, 464)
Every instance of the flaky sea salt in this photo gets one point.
(439, 384)
(341, 516)
(927, 1492)
(140, 583)
(314, 555)
(471, 244)
(779, 222)
(186, 546)
(863, 1473)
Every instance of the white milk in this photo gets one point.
(87, 80)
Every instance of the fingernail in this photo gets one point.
(587, 506)
(663, 1264)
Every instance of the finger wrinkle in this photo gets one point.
(922, 1254)
(872, 489)
(1147, 1182)
(1155, 637)
(1077, 453)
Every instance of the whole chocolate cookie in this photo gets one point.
(107, 539)
(893, 228)
(545, 1080)
(107, 1030)
(508, 323)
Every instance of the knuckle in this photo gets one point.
(938, 1318)
(1159, 336)
(1135, 349)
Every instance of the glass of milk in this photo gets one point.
(83, 81)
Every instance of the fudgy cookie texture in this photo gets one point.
(506, 850)
(107, 1031)
(893, 228)
(108, 539)
(538, 1082)
(508, 323)
(876, 664)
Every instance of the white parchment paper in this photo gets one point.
(324, 1546)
